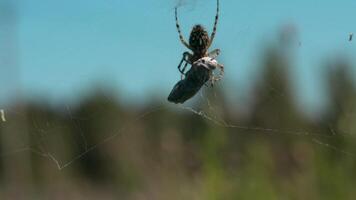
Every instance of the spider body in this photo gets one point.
(199, 42)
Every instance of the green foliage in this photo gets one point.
(169, 154)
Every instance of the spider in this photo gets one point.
(199, 43)
(202, 62)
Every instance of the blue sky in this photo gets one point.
(65, 48)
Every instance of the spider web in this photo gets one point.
(40, 148)
(41, 145)
(217, 120)
(210, 115)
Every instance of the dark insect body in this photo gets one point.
(201, 67)
(195, 78)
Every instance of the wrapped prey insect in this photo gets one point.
(201, 72)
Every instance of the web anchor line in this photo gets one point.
(60, 166)
(218, 122)
(275, 131)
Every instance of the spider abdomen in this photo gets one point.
(199, 40)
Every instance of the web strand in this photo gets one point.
(271, 130)
(40, 149)
(60, 166)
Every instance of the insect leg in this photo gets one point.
(217, 78)
(180, 65)
(186, 57)
(183, 70)
(221, 74)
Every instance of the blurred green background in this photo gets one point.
(102, 146)
(161, 151)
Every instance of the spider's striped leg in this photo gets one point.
(179, 31)
(215, 23)
(214, 53)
